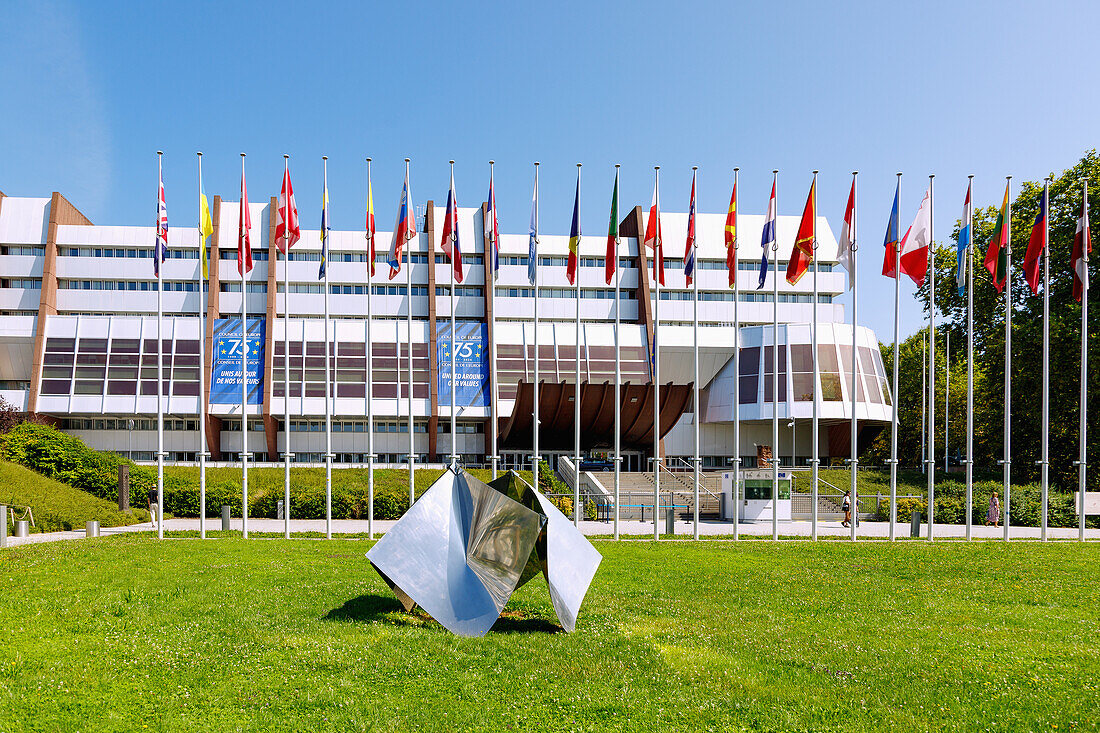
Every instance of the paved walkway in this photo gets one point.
(632, 530)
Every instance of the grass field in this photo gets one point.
(58, 506)
(129, 633)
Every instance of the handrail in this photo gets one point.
(690, 486)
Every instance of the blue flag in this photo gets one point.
(963, 244)
(767, 237)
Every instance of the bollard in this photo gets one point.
(91, 528)
(670, 520)
(722, 511)
(225, 518)
(914, 524)
(123, 487)
(279, 509)
(3, 526)
(22, 528)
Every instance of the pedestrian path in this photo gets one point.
(629, 530)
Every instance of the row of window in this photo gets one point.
(129, 252)
(22, 251)
(180, 286)
(21, 283)
(121, 423)
(568, 293)
(750, 297)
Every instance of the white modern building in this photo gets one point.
(78, 340)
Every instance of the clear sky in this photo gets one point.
(91, 90)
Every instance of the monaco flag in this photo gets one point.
(287, 231)
(915, 243)
(846, 251)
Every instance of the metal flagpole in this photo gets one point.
(409, 328)
(695, 397)
(287, 454)
(454, 408)
(970, 359)
(157, 254)
(659, 271)
(1082, 449)
(202, 370)
(894, 386)
(932, 360)
(946, 400)
(370, 361)
(817, 381)
(775, 366)
(618, 370)
(244, 378)
(533, 270)
(923, 400)
(494, 384)
(1045, 478)
(736, 367)
(577, 384)
(854, 462)
(328, 368)
(1007, 461)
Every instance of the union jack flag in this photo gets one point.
(160, 251)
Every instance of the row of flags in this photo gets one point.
(913, 245)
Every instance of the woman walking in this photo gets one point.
(993, 516)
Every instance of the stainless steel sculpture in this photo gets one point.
(465, 546)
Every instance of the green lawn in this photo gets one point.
(58, 506)
(129, 633)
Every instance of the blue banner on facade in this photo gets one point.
(225, 377)
(471, 364)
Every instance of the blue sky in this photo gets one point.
(92, 90)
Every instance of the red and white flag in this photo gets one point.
(653, 238)
(846, 250)
(287, 231)
(1082, 247)
(244, 225)
(915, 243)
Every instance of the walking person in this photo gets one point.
(993, 516)
(847, 508)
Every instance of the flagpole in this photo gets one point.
(408, 321)
(533, 268)
(970, 359)
(244, 376)
(202, 371)
(328, 370)
(1083, 448)
(1045, 478)
(370, 361)
(695, 333)
(817, 381)
(946, 400)
(1008, 371)
(775, 365)
(286, 361)
(659, 271)
(854, 463)
(454, 409)
(923, 400)
(157, 255)
(577, 386)
(618, 370)
(736, 367)
(494, 385)
(894, 386)
(932, 361)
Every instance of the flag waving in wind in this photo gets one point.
(802, 254)
(287, 231)
(450, 243)
(846, 251)
(689, 245)
(963, 243)
(575, 235)
(653, 238)
(206, 226)
(1082, 248)
(893, 238)
(917, 240)
(491, 227)
(1036, 245)
(160, 250)
(996, 257)
(533, 236)
(611, 260)
(324, 228)
(370, 223)
(404, 228)
(731, 237)
(767, 237)
(244, 227)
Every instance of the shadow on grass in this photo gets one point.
(368, 608)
